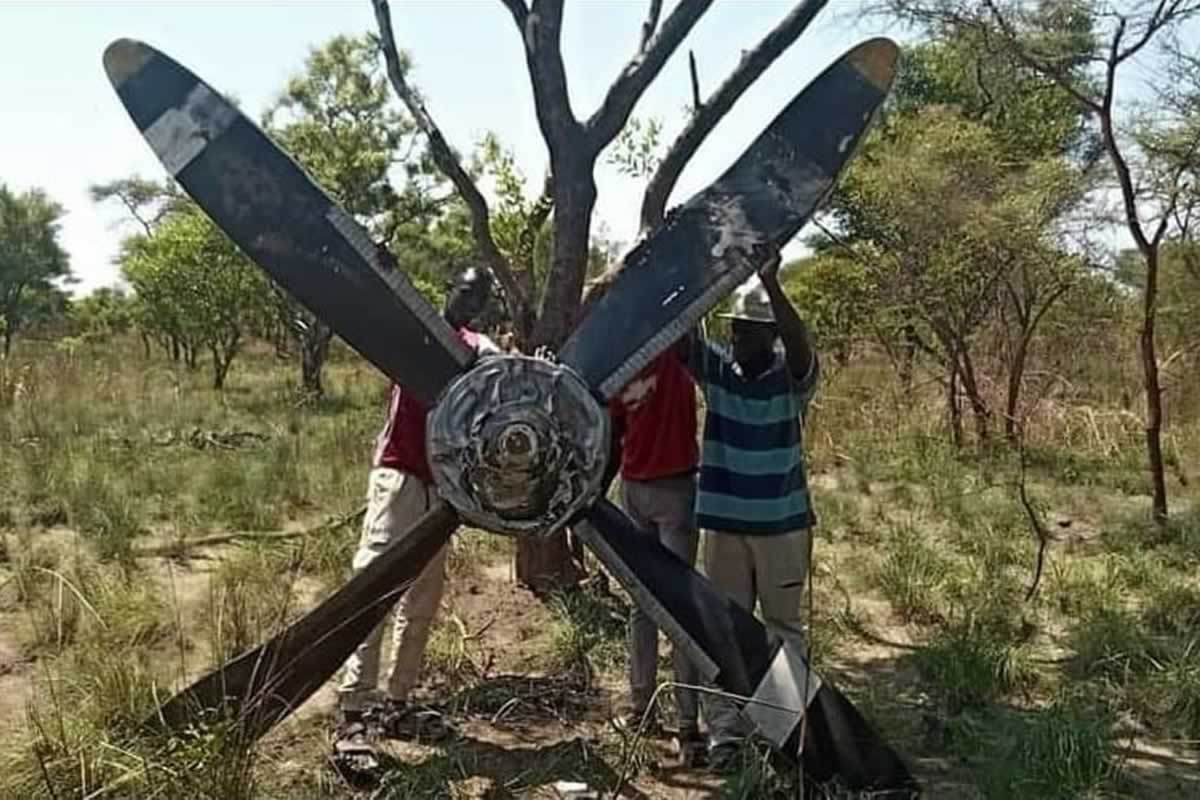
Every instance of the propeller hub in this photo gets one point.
(518, 445)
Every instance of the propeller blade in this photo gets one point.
(283, 221)
(732, 647)
(720, 236)
(262, 686)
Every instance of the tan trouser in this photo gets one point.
(663, 509)
(395, 500)
(772, 570)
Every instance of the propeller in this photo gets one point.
(519, 445)
(264, 685)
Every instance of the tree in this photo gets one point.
(838, 297)
(193, 284)
(336, 118)
(147, 202)
(545, 316)
(103, 314)
(1045, 152)
(1121, 33)
(31, 261)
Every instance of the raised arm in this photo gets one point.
(797, 343)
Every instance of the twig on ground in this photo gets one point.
(176, 548)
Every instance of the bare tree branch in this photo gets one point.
(1162, 16)
(695, 81)
(651, 24)
(519, 11)
(708, 114)
(1012, 45)
(541, 33)
(641, 70)
(449, 164)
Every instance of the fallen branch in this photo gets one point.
(177, 548)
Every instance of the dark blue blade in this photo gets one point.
(283, 221)
(733, 648)
(719, 237)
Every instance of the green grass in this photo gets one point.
(589, 628)
(967, 668)
(252, 597)
(1060, 753)
(913, 576)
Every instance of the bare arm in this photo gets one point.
(797, 343)
(616, 450)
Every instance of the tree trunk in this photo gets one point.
(314, 349)
(223, 354)
(908, 356)
(574, 199)
(544, 563)
(1016, 375)
(220, 368)
(1153, 388)
(953, 407)
(8, 340)
(979, 408)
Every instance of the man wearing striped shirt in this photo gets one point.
(753, 501)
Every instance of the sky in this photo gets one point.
(63, 128)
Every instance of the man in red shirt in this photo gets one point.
(400, 490)
(654, 441)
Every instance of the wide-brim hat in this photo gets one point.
(751, 305)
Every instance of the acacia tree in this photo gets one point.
(147, 203)
(543, 316)
(1122, 32)
(31, 261)
(192, 281)
(336, 118)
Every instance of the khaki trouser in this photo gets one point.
(395, 500)
(663, 509)
(772, 570)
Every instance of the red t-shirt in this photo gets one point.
(658, 408)
(401, 443)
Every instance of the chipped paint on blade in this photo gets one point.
(125, 58)
(181, 134)
(716, 239)
(875, 60)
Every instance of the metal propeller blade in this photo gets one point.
(718, 238)
(732, 647)
(266, 684)
(283, 221)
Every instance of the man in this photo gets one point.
(400, 490)
(655, 452)
(654, 421)
(753, 498)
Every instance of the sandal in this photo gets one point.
(404, 721)
(353, 754)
